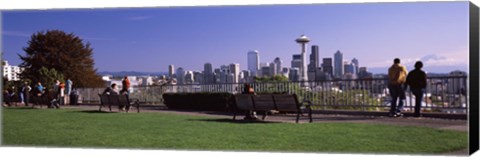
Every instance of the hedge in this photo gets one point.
(199, 101)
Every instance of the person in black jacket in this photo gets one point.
(417, 80)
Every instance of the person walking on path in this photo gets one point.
(417, 81)
(397, 74)
(25, 93)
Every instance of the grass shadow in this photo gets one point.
(94, 111)
(238, 121)
(342, 118)
(21, 108)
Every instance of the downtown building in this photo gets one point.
(253, 62)
(208, 75)
(314, 64)
(338, 64)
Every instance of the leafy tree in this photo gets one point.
(276, 78)
(65, 53)
(49, 76)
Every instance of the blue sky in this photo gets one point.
(149, 39)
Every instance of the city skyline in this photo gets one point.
(150, 39)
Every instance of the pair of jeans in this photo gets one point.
(418, 92)
(398, 94)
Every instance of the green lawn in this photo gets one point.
(75, 128)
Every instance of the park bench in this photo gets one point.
(117, 100)
(268, 102)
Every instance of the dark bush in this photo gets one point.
(199, 101)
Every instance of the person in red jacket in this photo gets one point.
(125, 85)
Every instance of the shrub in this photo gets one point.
(199, 101)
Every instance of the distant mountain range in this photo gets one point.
(131, 73)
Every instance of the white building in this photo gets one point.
(180, 75)
(11, 72)
(253, 62)
(235, 70)
(171, 71)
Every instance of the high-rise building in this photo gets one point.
(313, 65)
(171, 70)
(327, 66)
(294, 74)
(246, 78)
(253, 62)
(363, 73)
(198, 78)
(224, 72)
(11, 72)
(235, 70)
(285, 71)
(208, 73)
(338, 64)
(278, 64)
(349, 68)
(273, 69)
(296, 61)
(356, 64)
(189, 77)
(265, 71)
(180, 76)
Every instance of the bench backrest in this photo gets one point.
(286, 102)
(244, 101)
(123, 99)
(113, 99)
(263, 102)
(104, 99)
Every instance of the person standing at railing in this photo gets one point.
(397, 74)
(125, 86)
(417, 80)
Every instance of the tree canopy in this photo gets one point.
(66, 53)
(276, 78)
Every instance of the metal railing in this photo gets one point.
(443, 94)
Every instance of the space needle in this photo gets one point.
(303, 40)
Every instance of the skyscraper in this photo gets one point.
(327, 66)
(208, 73)
(273, 69)
(296, 61)
(338, 64)
(171, 70)
(253, 62)
(356, 64)
(313, 65)
(235, 70)
(278, 64)
(180, 76)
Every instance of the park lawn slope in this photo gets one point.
(167, 131)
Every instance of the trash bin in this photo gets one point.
(73, 99)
